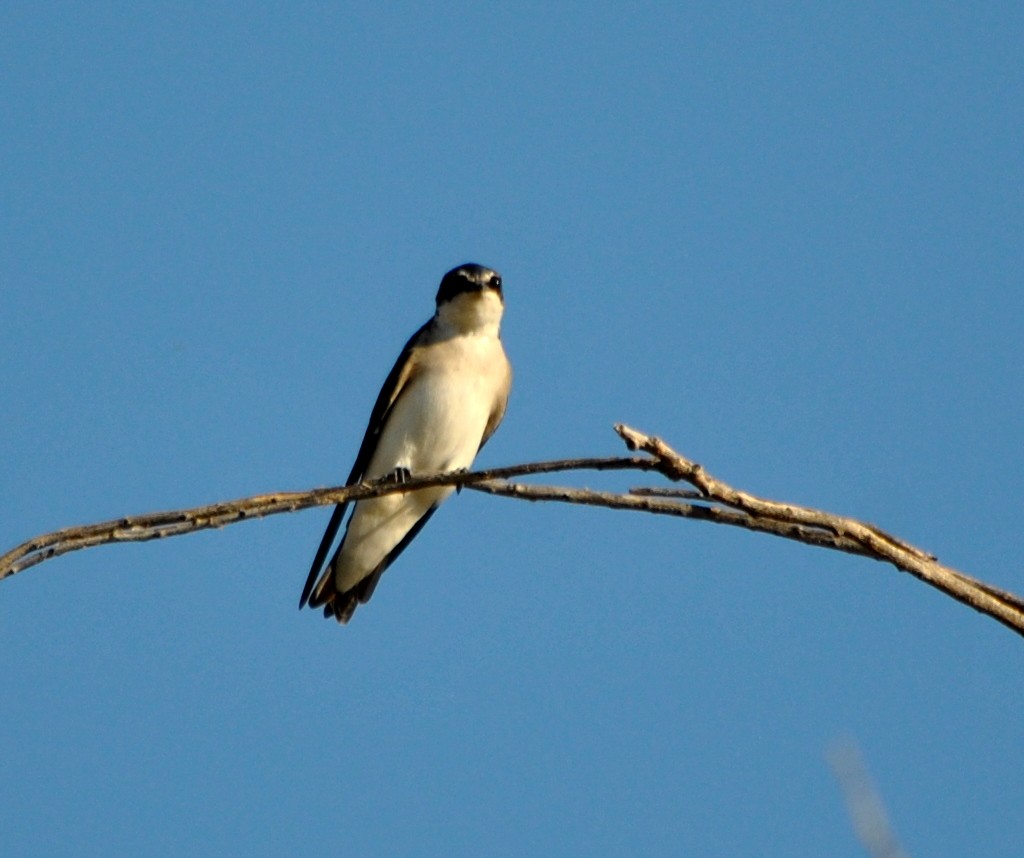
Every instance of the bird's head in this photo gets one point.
(470, 299)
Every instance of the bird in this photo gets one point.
(441, 402)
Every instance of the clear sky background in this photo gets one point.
(787, 238)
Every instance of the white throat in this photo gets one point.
(472, 313)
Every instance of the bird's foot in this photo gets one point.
(398, 476)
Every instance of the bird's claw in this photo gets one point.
(399, 476)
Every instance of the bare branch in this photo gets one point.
(1000, 604)
(710, 500)
(157, 525)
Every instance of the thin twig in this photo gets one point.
(638, 503)
(158, 525)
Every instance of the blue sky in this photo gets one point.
(787, 238)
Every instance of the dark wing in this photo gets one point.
(393, 385)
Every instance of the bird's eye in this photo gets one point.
(495, 283)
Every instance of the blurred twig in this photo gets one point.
(863, 803)
(712, 500)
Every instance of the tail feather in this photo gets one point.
(342, 604)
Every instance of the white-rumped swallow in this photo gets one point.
(444, 398)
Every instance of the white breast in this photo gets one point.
(439, 421)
